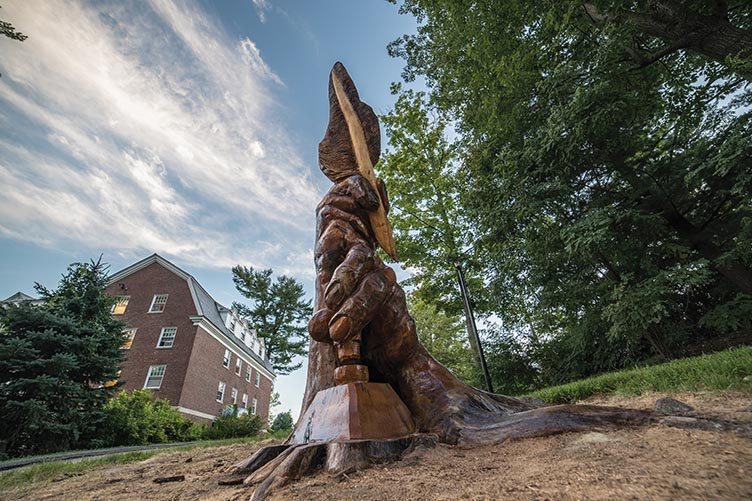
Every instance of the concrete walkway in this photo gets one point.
(78, 455)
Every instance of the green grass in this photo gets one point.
(47, 471)
(725, 370)
(44, 472)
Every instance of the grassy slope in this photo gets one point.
(726, 370)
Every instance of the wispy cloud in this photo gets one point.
(262, 7)
(146, 128)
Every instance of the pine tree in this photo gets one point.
(54, 361)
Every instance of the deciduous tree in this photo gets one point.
(611, 199)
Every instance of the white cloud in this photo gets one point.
(262, 6)
(148, 129)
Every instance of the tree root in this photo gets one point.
(273, 467)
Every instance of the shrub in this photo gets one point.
(282, 423)
(232, 425)
(138, 419)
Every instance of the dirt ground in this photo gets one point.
(652, 462)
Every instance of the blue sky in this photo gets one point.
(189, 129)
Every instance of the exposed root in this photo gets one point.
(271, 468)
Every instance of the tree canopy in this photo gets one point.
(605, 166)
(278, 313)
(55, 359)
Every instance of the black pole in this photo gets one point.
(471, 328)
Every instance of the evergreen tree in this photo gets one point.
(54, 361)
(278, 313)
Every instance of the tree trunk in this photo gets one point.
(710, 35)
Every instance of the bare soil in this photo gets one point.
(653, 462)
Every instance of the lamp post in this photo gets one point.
(471, 328)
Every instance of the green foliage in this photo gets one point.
(278, 313)
(282, 423)
(608, 192)
(232, 425)
(54, 359)
(7, 29)
(136, 418)
(726, 370)
(445, 339)
(430, 228)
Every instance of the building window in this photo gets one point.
(113, 382)
(158, 303)
(245, 400)
(121, 302)
(226, 360)
(129, 335)
(248, 373)
(253, 406)
(238, 366)
(221, 392)
(258, 379)
(242, 335)
(155, 377)
(232, 326)
(167, 337)
(234, 396)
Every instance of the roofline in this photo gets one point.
(231, 344)
(140, 265)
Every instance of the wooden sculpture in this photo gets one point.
(373, 391)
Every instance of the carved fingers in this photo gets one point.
(358, 262)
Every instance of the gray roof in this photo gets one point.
(210, 309)
(19, 297)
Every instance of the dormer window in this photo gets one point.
(158, 303)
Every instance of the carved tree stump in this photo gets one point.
(361, 331)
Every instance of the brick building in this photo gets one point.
(186, 347)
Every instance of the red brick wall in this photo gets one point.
(141, 287)
(206, 371)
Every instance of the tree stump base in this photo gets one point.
(273, 467)
(354, 411)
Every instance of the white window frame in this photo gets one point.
(245, 400)
(238, 366)
(221, 392)
(155, 371)
(234, 396)
(163, 303)
(167, 337)
(226, 360)
(248, 370)
(130, 336)
(120, 300)
(257, 381)
(254, 404)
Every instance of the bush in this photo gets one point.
(282, 423)
(231, 425)
(137, 419)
